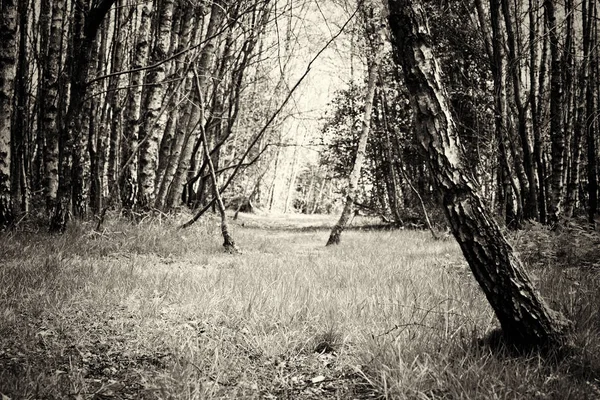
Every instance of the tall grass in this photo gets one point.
(149, 311)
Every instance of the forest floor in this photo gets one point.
(151, 312)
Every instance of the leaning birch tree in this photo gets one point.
(525, 318)
(372, 18)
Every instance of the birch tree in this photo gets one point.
(153, 124)
(373, 20)
(133, 113)
(86, 25)
(8, 64)
(49, 116)
(525, 318)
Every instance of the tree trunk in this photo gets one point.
(525, 318)
(8, 64)
(228, 241)
(391, 163)
(591, 121)
(133, 113)
(579, 129)
(116, 109)
(49, 117)
(533, 106)
(291, 189)
(154, 124)
(501, 118)
(174, 136)
(372, 33)
(214, 125)
(557, 134)
(538, 122)
(99, 123)
(526, 169)
(20, 129)
(190, 125)
(38, 167)
(85, 28)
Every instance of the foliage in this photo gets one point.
(571, 243)
(341, 130)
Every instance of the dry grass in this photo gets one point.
(152, 312)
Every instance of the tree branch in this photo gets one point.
(270, 121)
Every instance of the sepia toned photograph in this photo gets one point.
(299, 199)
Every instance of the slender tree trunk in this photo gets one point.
(85, 28)
(591, 118)
(568, 69)
(49, 118)
(174, 136)
(579, 129)
(533, 107)
(392, 161)
(177, 142)
(8, 65)
(153, 125)
(39, 182)
(116, 109)
(527, 168)
(319, 197)
(214, 125)
(99, 131)
(538, 121)
(133, 113)
(557, 134)
(271, 199)
(352, 189)
(291, 189)
(191, 125)
(508, 181)
(525, 318)
(20, 128)
(228, 241)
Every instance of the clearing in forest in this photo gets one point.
(152, 312)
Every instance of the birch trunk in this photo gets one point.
(154, 125)
(525, 318)
(526, 169)
(129, 162)
(115, 102)
(21, 131)
(86, 25)
(228, 241)
(8, 64)
(205, 62)
(49, 117)
(173, 137)
(557, 134)
(352, 190)
(591, 124)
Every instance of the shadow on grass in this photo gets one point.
(569, 370)
(324, 228)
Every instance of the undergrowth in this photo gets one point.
(151, 311)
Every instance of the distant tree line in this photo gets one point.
(101, 102)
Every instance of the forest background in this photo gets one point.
(103, 104)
